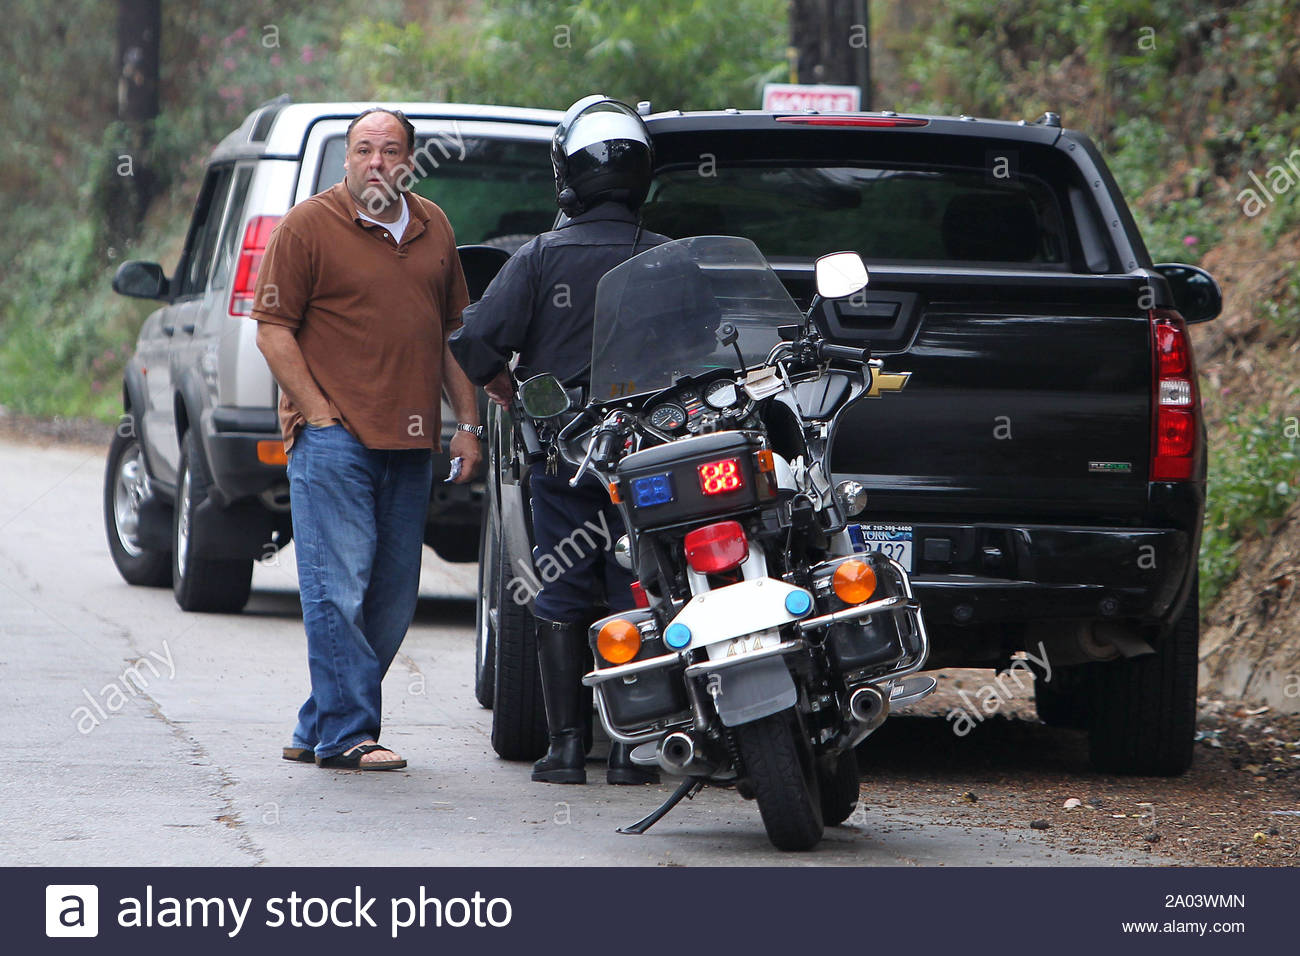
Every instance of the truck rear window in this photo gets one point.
(501, 189)
(899, 214)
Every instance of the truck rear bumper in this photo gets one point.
(980, 574)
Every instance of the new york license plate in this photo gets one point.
(892, 540)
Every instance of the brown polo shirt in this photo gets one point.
(371, 316)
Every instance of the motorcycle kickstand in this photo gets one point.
(688, 789)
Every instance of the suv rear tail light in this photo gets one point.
(1176, 405)
(256, 235)
(716, 548)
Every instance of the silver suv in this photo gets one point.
(195, 489)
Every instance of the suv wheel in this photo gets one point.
(126, 488)
(201, 584)
(518, 713)
(1143, 711)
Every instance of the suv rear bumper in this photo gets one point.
(1008, 574)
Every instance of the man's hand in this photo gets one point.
(467, 447)
(501, 389)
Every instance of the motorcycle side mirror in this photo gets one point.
(840, 274)
(543, 396)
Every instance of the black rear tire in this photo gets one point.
(840, 789)
(126, 488)
(1143, 713)
(518, 710)
(780, 768)
(216, 586)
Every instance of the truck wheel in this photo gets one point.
(839, 788)
(1143, 718)
(200, 584)
(518, 712)
(780, 768)
(1062, 701)
(126, 488)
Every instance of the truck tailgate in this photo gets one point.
(1021, 400)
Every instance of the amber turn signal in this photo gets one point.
(272, 453)
(618, 641)
(854, 582)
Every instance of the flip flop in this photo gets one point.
(299, 754)
(351, 760)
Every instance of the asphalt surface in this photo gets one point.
(177, 762)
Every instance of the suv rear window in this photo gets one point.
(901, 214)
(500, 189)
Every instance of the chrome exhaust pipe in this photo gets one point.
(676, 753)
(868, 708)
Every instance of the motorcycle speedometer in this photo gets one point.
(668, 416)
(721, 394)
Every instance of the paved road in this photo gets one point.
(178, 762)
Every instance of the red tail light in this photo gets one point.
(721, 477)
(873, 121)
(1176, 404)
(256, 234)
(717, 547)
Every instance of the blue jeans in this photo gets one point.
(358, 529)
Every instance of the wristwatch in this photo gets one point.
(478, 431)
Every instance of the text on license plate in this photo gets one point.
(892, 540)
(747, 644)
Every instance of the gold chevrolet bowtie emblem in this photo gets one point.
(887, 382)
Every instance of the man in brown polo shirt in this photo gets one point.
(358, 290)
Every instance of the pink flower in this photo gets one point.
(1189, 240)
(240, 33)
(96, 387)
(275, 59)
(108, 355)
(308, 54)
(229, 63)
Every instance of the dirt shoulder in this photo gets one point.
(43, 432)
(1239, 804)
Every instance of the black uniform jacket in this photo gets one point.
(542, 303)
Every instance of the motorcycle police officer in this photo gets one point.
(541, 306)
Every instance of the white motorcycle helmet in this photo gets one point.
(601, 152)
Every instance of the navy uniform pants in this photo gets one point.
(574, 530)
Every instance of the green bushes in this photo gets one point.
(1254, 478)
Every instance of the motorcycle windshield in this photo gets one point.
(658, 313)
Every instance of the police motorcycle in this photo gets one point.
(767, 641)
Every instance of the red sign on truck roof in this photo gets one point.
(783, 97)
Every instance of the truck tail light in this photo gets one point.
(721, 477)
(716, 548)
(256, 235)
(1176, 406)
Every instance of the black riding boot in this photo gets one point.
(560, 659)
(623, 770)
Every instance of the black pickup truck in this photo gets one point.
(1043, 472)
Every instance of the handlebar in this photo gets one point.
(826, 350)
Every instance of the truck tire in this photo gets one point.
(518, 711)
(780, 769)
(200, 584)
(840, 788)
(1143, 713)
(126, 487)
